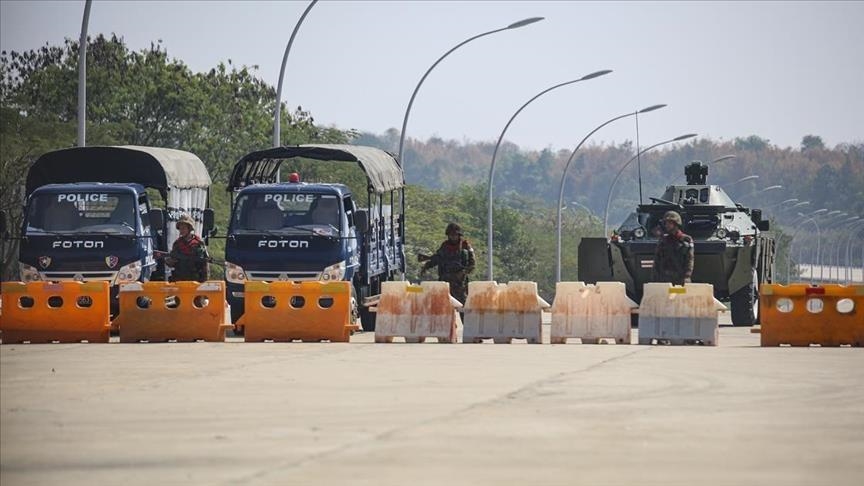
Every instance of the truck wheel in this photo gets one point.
(745, 304)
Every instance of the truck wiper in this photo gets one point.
(334, 231)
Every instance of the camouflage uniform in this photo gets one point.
(191, 260)
(455, 260)
(673, 259)
(188, 256)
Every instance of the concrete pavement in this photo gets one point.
(362, 413)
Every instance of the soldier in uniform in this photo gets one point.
(454, 259)
(673, 259)
(188, 255)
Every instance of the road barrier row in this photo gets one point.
(798, 314)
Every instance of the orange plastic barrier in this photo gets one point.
(802, 314)
(66, 312)
(304, 311)
(176, 311)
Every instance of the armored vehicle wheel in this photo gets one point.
(745, 304)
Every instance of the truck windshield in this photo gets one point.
(287, 212)
(81, 212)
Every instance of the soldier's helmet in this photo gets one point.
(453, 228)
(186, 219)
(674, 217)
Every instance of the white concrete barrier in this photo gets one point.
(503, 312)
(679, 314)
(591, 312)
(416, 312)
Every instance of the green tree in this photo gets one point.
(812, 142)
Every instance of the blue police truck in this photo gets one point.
(89, 217)
(301, 231)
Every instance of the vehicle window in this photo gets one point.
(286, 211)
(703, 195)
(82, 212)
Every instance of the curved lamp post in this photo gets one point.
(854, 228)
(277, 129)
(564, 178)
(760, 191)
(489, 251)
(792, 246)
(621, 170)
(743, 179)
(82, 77)
(515, 25)
(781, 203)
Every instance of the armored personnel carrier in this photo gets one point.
(733, 250)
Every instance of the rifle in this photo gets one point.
(161, 254)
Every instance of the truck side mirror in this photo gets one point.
(209, 222)
(763, 225)
(157, 219)
(361, 220)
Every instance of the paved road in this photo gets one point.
(400, 414)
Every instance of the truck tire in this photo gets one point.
(745, 303)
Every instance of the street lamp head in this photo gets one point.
(819, 211)
(836, 211)
(802, 203)
(650, 108)
(725, 157)
(595, 74)
(749, 178)
(684, 137)
(771, 188)
(794, 199)
(523, 23)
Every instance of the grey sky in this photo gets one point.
(779, 70)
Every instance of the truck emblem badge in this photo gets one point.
(44, 261)
(111, 261)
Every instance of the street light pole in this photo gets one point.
(564, 179)
(792, 246)
(621, 171)
(277, 112)
(82, 77)
(489, 250)
(515, 25)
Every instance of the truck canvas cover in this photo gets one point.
(180, 177)
(382, 171)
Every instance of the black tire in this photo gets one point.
(745, 304)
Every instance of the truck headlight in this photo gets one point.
(234, 273)
(721, 233)
(129, 273)
(639, 232)
(333, 272)
(28, 273)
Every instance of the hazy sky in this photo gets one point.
(779, 70)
